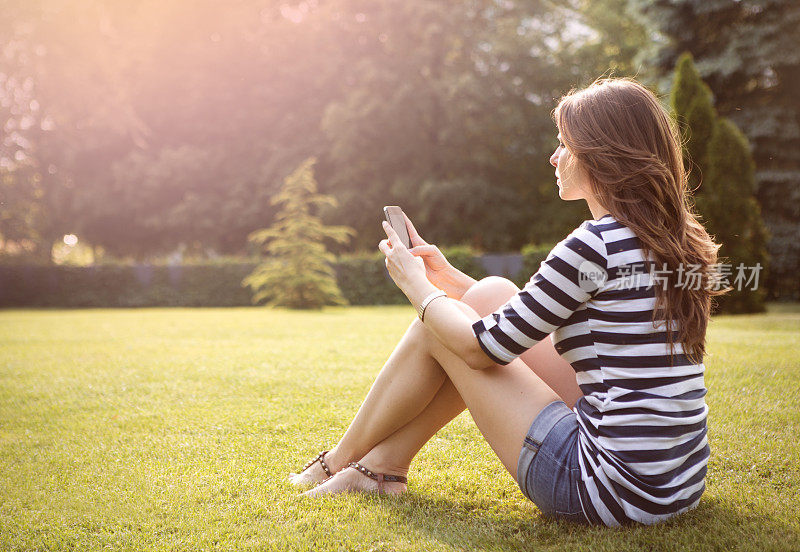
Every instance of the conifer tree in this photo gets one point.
(734, 215)
(748, 52)
(297, 272)
(692, 104)
(721, 164)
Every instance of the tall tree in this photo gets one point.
(611, 41)
(734, 216)
(173, 123)
(749, 54)
(692, 104)
(722, 173)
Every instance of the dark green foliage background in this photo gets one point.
(362, 278)
(721, 173)
(169, 126)
(748, 52)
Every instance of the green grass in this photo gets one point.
(174, 429)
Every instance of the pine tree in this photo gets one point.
(297, 272)
(692, 104)
(722, 166)
(733, 213)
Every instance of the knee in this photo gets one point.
(489, 294)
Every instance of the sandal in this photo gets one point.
(321, 459)
(379, 477)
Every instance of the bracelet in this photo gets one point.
(427, 301)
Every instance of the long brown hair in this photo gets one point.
(618, 131)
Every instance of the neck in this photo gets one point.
(597, 210)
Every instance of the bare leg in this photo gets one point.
(394, 453)
(503, 401)
(403, 389)
(405, 386)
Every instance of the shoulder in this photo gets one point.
(599, 227)
(586, 242)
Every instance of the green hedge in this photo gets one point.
(362, 278)
(213, 285)
(532, 258)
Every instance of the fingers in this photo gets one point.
(384, 246)
(393, 237)
(412, 232)
(424, 250)
(410, 225)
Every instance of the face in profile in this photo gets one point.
(571, 179)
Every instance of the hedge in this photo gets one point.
(362, 278)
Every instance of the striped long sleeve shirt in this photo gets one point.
(642, 442)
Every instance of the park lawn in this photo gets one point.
(174, 429)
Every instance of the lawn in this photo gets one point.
(174, 429)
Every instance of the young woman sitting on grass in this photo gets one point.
(605, 422)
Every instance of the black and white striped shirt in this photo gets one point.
(643, 449)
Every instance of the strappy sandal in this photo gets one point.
(321, 459)
(379, 477)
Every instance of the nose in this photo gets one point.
(554, 158)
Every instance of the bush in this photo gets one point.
(214, 285)
(532, 258)
(465, 259)
(362, 279)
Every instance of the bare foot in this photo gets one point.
(350, 480)
(312, 475)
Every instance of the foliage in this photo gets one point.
(733, 214)
(693, 105)
(361, 277)
(532, 258)
(364, 280)
(173, 124)
(749, 54)
(614, 39)
(297, 272)
(722, 166)
(215, 285)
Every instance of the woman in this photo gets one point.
(605, 422)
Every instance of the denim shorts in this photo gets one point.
(548, 471)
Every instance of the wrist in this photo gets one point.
(422, 308)
(420, 291)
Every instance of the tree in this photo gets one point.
(613, 39)
(748, 52)
(173, 124)
(722, 174)
(298, 271)
(447, 112)
(693, 105)
(733, 213)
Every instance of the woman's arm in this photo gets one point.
(451, 322)
(452, 281)
(447, 319)
(572, 274)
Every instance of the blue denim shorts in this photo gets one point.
(548, 471)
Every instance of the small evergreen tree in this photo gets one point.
(297, 272)
(693, 106)
(733, 214)
(720, 158)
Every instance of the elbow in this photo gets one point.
(478, 360)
